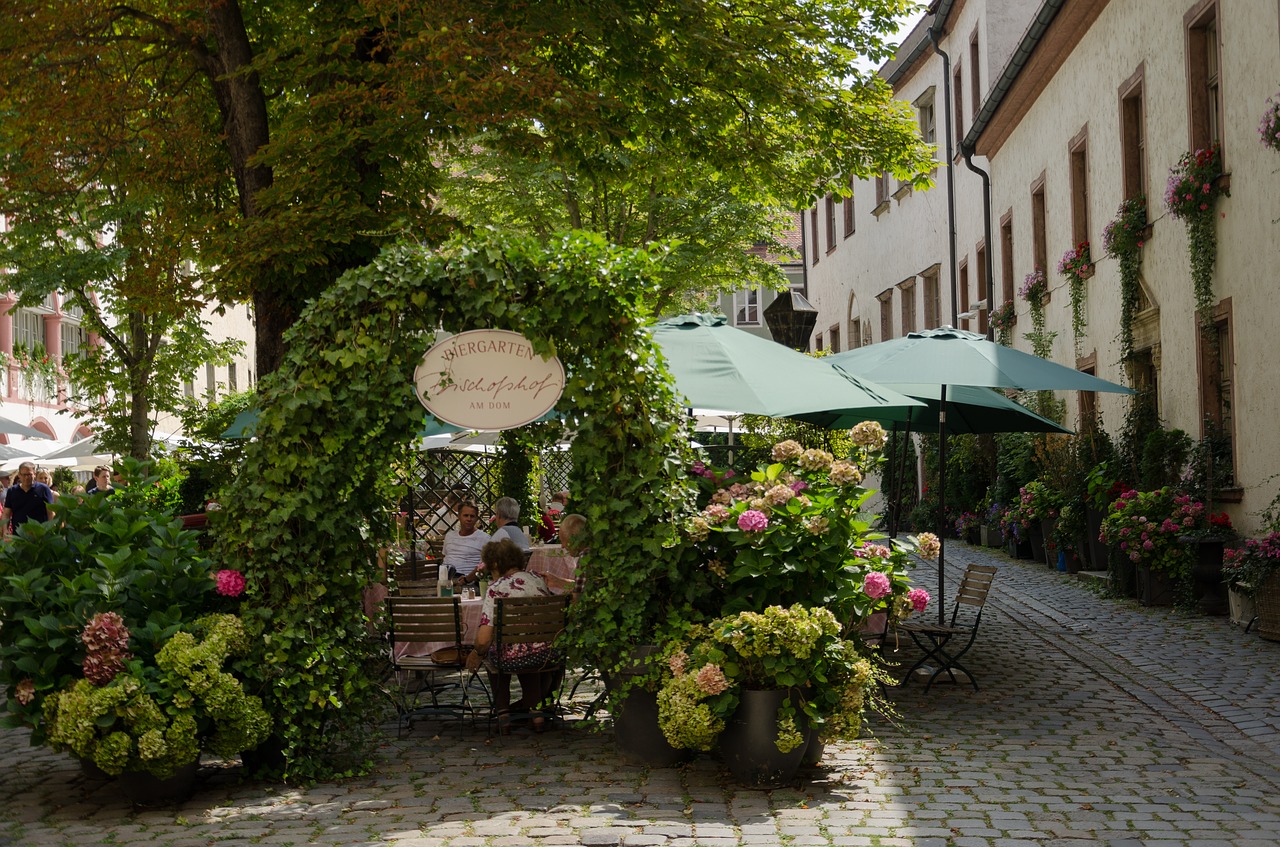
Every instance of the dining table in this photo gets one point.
(556, 565)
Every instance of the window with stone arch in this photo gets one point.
(855, 323)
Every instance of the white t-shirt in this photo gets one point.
(462, 552)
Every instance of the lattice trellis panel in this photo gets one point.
(556, 466)
(438, 480)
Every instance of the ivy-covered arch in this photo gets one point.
(306, 515)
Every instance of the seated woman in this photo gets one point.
(505, 563)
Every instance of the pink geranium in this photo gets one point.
(230, 583)
(876, 585)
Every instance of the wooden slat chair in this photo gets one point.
(939, 641)
(416, 588)
(529, 620)
(432, 620)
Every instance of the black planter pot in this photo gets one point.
(748, 744)
(813, 750)
(1047, 528)
(1206, 574)
(1097, 549)
(1020, 548)
(638, 735)
(145, 789)
(635, 723)
(1036, 536)
(1155, 588)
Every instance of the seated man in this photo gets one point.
(506, 511)
(462, 545)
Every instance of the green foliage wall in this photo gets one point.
(303, 522)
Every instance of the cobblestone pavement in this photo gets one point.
(1098, 722)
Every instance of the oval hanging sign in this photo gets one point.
(488, 379)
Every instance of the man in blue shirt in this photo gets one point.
(27, 501)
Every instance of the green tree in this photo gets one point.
(320, 132)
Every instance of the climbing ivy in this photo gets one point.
(303, 519)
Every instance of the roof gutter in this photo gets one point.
(1039, 25)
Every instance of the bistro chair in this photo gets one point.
(416, 588)
(436, 621)
(945, 644)
(530, 620)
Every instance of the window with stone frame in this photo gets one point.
(1040, 233)
(1216, 373)
(847, 203)
(1008, 287)
(886, 314)
(833, 336)
(813, 229)
(1078, 151)
(829, 206)
(983, 290)
(963, 285)
(1204, 79)
(1133, 135)
(908, 292)
(932, 295)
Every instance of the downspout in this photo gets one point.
(951, 180)
(967, 152)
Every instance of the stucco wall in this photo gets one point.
(1084, 94)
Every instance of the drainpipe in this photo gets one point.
(967, 152)
(951, 180)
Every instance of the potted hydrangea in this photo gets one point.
(124, 658)
(1253, 571)
(1148, 527)
(789, 541)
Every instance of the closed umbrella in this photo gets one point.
(949, 357)
(12, 427)
(717, 366)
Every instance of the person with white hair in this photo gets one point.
(506, 512)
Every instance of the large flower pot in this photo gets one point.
(635, 723)
(1036, 536)
(1267, 600)
(638, 735)
(990, 536)
(145, 789)
(1241, 606)
(1206, 574)
(1098, 550)
(748, 744)
(1020, 548)
(1155, 588)
(1047, 528)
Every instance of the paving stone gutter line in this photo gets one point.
(1097, 722)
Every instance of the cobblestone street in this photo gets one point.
(1097, 722)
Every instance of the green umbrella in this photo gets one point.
(969, 410)
(717, 366)
(949, 357)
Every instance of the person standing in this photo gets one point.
(506, 511)
(462, 545)
(45, 478)
(27, 501)
(101, 481)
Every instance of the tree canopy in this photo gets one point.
(313, 134)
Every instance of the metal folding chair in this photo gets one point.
(939, 642)
(435, 620)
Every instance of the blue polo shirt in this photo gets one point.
(28, 505)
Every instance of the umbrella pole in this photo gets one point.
(900, 459)
(942, 501)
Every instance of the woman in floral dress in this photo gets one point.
(505, 561)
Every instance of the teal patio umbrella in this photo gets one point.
(245, 422)
(717, 366)
(969, 410)
(949, 357)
